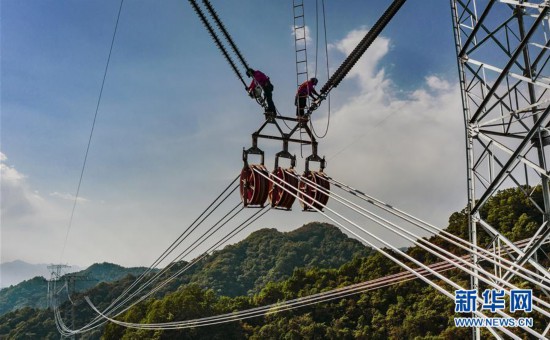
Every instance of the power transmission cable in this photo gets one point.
(285, 305)
(193, 323)
(184, 234)
(112, 305)
(539, 283)
(179, 272)
(490, 279)
(91, 134)
(416, 237)
(493, 279)
(230, 235)
(180, 239)
(387, 244)
(431, 228)
(327, 69)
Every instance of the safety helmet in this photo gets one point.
(314, 81)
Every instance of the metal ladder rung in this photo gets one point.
(300, 41)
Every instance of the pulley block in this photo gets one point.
(313, 190)
(278, 196)
(254, 186)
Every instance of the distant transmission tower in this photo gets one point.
(71, 280)
(55, 275)
(503, 60)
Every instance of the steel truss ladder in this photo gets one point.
(300, 42)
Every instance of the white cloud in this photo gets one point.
(436, 83)
(17, 199)
(67, 196)
(28, 219)
(366, 71)
(299, 34)
(406, 149)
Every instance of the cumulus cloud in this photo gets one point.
(18, 201)
(405, 148)
(367, 71)
(30, 223)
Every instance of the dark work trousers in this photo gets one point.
(300, 102)
(268, 95)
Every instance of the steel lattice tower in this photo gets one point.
(503, 52)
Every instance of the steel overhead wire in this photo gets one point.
(226, 238)
(276, 307)
(392, 247)
(363, 45)
(91, 134)
(178, 241)
(426, 226)
(169, 250)
(178, 327)
(179, 272)
(491, 279)
(250, 316)
(388, 245)
(393, 228)
(219, 321)
(193, 323)
(188, 251)
(389, 255)
(186, 233)
(327, 66)
(297, 302)
(484, 253)
(151, 280)
(183, 235)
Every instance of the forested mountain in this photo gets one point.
(259, 271)
(268, 255)
(29, 293)
(407, 310)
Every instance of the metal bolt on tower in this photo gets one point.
(503, 61)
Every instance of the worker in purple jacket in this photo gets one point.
(261, 80)
(304, 90)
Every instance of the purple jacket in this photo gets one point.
(258, 78)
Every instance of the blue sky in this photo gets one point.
(173, 117)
